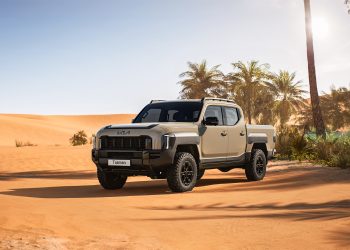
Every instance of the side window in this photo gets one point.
(181, 116)
(214, 111)
(231, 116)
(151, 115)
(172, 115)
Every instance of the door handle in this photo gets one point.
(223, 133)
(241, 133)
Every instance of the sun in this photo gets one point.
(320, 27)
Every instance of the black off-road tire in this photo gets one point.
(200, 173)
(182, 175)
(256, 169)
(111, 180)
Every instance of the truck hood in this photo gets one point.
(153, 130)
(162, 127)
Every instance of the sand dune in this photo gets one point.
(52, 129)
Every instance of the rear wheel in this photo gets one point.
(111, 180)
(256, 169)
(182, 175)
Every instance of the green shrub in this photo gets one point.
(79, 138)
(333, 152)
(291, 144)
(19, 144)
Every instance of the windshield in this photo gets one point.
(170, 112)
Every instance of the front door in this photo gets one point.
(214, 139)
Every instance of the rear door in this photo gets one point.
(236, 131)
(214, 139)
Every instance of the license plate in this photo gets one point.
(113, 162)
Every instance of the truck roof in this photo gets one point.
(196, 100)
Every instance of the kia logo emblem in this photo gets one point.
(123, 132)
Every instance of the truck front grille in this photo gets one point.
(124, 142)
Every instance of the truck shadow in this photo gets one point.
(135, 188)
(288, 179)
(279, 180)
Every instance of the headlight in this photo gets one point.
(96, 142)
(168, 141)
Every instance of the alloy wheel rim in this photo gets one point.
(259, 166)
(187, 173)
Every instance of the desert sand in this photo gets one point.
(52, 129)
(50, 199)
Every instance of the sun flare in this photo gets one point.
(320, 27)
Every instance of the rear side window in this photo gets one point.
(231, 116)
(214, 111)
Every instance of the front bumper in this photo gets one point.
(146, 162)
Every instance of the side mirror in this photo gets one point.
(211, 121)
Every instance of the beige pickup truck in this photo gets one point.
(179, 140)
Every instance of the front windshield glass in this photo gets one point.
(170, 112)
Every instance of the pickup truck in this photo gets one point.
(179, 140)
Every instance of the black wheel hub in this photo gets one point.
(259, 166)
(187, 173)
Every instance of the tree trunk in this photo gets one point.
(249, 115)
(250, 103)
(315, 100)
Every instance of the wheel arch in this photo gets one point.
(261, 146)
(189, 148)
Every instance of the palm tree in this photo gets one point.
(315, 100)
(347, 2)
(288, 95)
(346, 98)
(336, 104)
(246, 83)
(303, 119)
(263, 114)
(200, 81)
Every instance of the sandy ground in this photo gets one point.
(50, 199)
(52, 129)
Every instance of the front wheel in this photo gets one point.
(111, 180)
(182, 175)
(256, 169)
(200, 173)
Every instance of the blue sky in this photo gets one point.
(91, 57)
